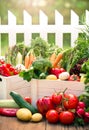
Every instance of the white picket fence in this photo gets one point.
(43, 28)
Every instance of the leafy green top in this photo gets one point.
(38, 70)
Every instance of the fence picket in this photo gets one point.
(27, 23)
(74, 23)
(43, 24)
(58, 24)
(11, 31)
(43, 28)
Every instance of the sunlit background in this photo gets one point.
(33, 7)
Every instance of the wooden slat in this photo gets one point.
(12, 123)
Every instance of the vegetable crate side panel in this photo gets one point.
(40, 88)
(13, 83)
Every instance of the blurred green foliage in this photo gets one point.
(33, 7)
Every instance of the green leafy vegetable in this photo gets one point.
(12, 53)
(42, 48)
(85, 69)
(79, 122)
(38, 70)
(85, 96)
(77, 55)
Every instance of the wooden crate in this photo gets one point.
(13, 83)
(40, 88)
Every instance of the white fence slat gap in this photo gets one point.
(43, 28)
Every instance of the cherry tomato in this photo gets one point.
(70, 101)
(74, 77)
(44, 104)
(57, 98)
(28, 99)
(52, 116)
(66, 117)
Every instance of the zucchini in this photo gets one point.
(22, 103)
(8, 103)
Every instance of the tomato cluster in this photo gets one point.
(7, 69)
(59, 107)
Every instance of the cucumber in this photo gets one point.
(8, 103)
(22, 103)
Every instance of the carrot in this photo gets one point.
(57, 60)
(26, 63)
(52, 57)
(31, 59)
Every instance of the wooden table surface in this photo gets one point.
(12, 123)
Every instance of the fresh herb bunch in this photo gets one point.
(77, 55)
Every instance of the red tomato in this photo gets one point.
(28, 99)
(70, 101)
(66, 117)
(56, 71)
(52, 116)
(44, 104)
(74, 77)
(57, 98)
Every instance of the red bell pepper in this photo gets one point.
(11, 112)
(56, 71)
(44, 104)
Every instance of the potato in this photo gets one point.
(51, 77)
(36, 117)
(24, 114)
